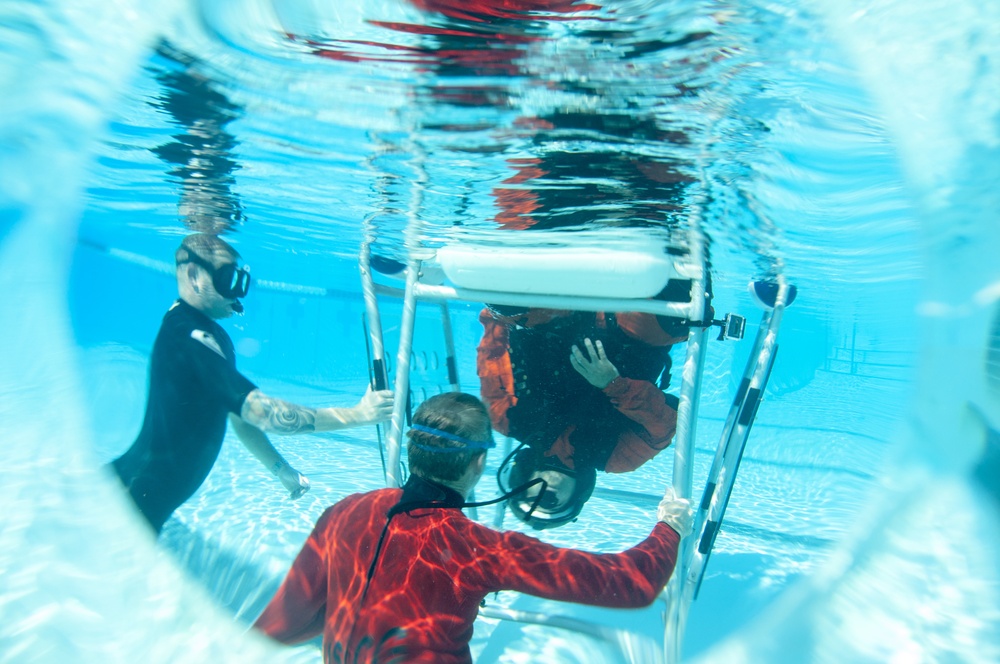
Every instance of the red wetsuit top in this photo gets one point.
(640, 401)
(435, 567)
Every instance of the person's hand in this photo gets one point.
(595, 366)
(295, 482)
(375, 407)
(676, 512)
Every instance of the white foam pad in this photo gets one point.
(622, 271)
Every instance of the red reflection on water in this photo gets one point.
(465, 40)
(481, 10)
(480, 36)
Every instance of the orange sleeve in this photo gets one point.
(643, 403)
(496, 379)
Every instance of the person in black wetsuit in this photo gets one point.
(194, 387)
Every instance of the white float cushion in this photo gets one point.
(630, 270)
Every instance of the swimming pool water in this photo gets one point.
(803, 135)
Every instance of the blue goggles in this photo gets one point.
(467, 444)
(230, 281)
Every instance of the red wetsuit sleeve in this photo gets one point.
(643, 403)
(630, 579)
(297, 612)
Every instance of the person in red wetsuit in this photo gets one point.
(399, 574)
(583, 391)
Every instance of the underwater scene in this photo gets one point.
(521, 331)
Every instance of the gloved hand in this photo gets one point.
(295, 482)
(676, 512)
(595, 365)
(374, 407)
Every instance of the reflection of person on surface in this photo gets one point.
(194, 386)
(583, 392)
(399, 574)
(584, 161)
(202, 154)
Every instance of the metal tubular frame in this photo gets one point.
(574, 303)
(689, 397)
(722, 475)
(380, 372)
(684, 437)
(449, 345)
(401, 386)
(734, 438)
(679, 592)
(415, 290)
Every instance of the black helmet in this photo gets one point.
(565, 491)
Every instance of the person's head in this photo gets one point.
(448, 439)
(209, 277)
(564, 493)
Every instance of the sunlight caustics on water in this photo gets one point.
(850, 147)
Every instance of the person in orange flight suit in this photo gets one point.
(546, 405)
(574, 420)
(399, 574)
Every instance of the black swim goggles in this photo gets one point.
(229, 280)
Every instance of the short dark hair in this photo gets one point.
(204, 245)
(456, 413)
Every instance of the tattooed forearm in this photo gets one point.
(277, 416)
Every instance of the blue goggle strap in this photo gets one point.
(466, 443)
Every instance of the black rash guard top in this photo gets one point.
(193, 386)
